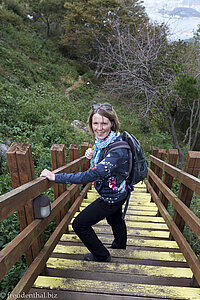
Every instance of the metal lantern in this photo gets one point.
(42, 207)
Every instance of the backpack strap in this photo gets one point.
(120, 145)
(124, 145)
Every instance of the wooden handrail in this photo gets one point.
(34, 269)
(26, 188)
(161, 194)
(187, 179)
(189, 217)
(17, 247)
(187, 251)
(13, 200)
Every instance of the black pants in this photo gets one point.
(92, 214)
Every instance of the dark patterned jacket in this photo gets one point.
(108, 175)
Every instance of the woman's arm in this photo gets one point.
(102, 170)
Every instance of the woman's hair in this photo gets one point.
(107, 112)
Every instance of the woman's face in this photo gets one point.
(101, 126)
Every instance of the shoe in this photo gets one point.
(91, 257)
(116, 246)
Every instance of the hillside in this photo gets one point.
(35, 107)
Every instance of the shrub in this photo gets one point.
(9, 17)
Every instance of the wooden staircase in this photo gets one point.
(152, 266)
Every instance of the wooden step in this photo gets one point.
(132, 232)
(141, 242)
(117, 288)
(129, 217)
(131, 269)
(152, 267)
(131, 254)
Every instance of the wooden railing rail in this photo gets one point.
(27, 188)
(20, 196)
(161, 193)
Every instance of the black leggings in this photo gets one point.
(92, 214)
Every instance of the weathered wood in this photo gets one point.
(14, 250)
(21, 165)
(189, 254)
(192, 166)
(74, 155)
(136, 242)
(134, 232)
(132, 254)
(188, 180)
(38, 264)
(19, 197)
(117, 288)
(84, 147)
(153, 166)
(131, 269)
(188, 216)
(168, 179)
(57, 161)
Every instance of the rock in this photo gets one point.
(3, 149)
(80, 126)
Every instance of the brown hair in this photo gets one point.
(108, 113)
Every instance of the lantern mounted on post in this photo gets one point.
(42, 206)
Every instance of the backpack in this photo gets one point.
(138, 167)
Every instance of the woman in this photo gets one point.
(108, 173)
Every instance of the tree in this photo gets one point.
(145, 68)
(51, 12)
(88, 18)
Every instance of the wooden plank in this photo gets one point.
(141, 242)
(38, 264)
(133, 232)
(133, 207)
(144, 225)
(132, 254)
(119, 288)
(189, 254)
(137, 212)
(157, 271)
(71, 295)
(192, 166)
(16, 248)
(18, 197)
(185, 178)
(188, 216)
(168, 179)
(129, 217)
(21, 153)
(58, 160)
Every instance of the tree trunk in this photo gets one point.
(175, 141)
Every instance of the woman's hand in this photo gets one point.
(89, 153)
(48, 174)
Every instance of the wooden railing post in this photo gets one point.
(192, 166)
(21, 169)
(73, 155)
(57, 161)
(159, 153)
(84, 147)
(168, 179)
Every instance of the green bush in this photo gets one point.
(9, 17)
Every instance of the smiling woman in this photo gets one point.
(109, 173)
(101, 126)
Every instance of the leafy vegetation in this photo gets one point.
(37, 65)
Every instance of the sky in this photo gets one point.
(180, 28)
